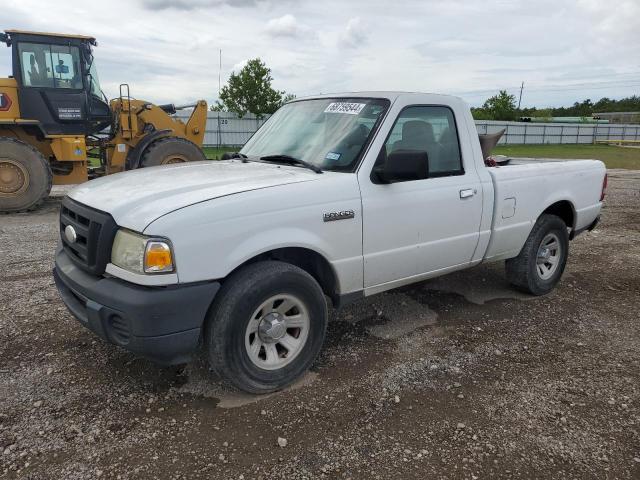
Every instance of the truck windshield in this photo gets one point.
(329, 133)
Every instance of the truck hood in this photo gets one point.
(136, 198)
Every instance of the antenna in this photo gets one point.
(219, 73)
(219, 139)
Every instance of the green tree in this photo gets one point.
(250, 91)
(501, 106)
(545, 114)
(288, 97)
(480, 114)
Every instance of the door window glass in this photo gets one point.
(429, 129)
(50, 66)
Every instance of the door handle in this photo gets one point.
(468, 192)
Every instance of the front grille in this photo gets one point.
(94, 231)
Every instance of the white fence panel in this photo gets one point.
(226, 129)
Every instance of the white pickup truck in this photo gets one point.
(336, 196)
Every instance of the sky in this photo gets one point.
(168, 50)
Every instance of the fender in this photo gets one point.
(134, 157)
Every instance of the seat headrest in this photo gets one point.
(418, 130)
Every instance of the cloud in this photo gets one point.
(168, 49)
(354, 34)
(285, 26)
(188, 5)
(240, 65)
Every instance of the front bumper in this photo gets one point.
(162, 324)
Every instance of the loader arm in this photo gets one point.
(196, 125)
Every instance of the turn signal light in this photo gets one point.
(157, 257)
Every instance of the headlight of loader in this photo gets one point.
(140, 254)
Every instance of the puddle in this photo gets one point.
(403, 315)
(389, 315)
(202, 383)
(478, 285)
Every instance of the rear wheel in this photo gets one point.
(171, 150)
(539, 266)
(266, 327)
(25, 176)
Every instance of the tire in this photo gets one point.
(171, 150)
(236, 313)
(25, 176)
(540, 264)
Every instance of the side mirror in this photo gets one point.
(404, 166)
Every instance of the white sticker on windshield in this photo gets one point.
(345, 107)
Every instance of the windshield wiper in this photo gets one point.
(292, 160)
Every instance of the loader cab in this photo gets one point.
(57, 82)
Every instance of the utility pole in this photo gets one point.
(520, 99)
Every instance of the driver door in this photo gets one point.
(413, 228)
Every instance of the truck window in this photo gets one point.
(330, 133)
(430, 129)
(50, 66)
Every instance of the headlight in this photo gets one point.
(140, 254)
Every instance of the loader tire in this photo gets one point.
(171, 150)
(25, 176)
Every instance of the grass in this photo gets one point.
(612, 156)
(214, 153)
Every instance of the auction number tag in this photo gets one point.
(345, 107)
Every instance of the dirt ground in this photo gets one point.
(459, 377)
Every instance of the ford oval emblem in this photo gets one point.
(70, 234)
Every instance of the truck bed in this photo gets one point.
(525, 185)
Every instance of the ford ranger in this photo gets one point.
(335, 198)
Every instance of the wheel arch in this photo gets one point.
(309, 260)
(563, 209)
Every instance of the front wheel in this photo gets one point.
(171, 150)
(266, 327)
(539, 266)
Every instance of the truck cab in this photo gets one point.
(57, 82)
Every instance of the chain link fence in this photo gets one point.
(227, 129)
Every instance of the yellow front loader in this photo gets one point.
(57, 127)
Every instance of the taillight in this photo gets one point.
(604, 188)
